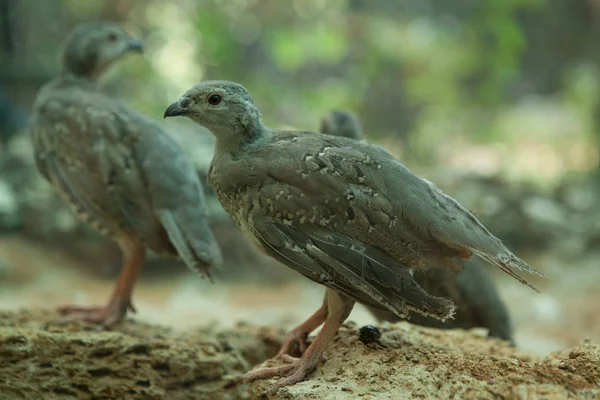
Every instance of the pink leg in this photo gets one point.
(120, 301)
(339, 308)
(297, 337)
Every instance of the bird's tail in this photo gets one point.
(508, 262)
(192, 237)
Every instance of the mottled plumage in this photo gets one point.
(342, 212)
(472, 291)
(116, 168)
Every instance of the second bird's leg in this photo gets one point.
(297, 337)
(120, 301)
(338, 308)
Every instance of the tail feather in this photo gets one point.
(515, 262)
(193, 240)
(508, 262)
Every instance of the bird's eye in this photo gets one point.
(112, 37)
(214, 99)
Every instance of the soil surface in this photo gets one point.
(411, 362)
(40, 359)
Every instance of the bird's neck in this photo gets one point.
(66, 74)
(252, 135)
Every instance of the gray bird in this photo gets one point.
(472, 291)
(116, 168)
(343, 213)
(341, 123)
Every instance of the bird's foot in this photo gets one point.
(296, 370)
(296, 342)
(105, 317)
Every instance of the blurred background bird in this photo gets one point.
(116, 169)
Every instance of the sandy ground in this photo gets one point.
(32, 276)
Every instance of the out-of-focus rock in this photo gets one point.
(39, 360)
(411, 362)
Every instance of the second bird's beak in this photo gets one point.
(135, 45)
(175, 110)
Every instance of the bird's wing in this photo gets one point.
(455, 226)
(177, 196)
(361, 272)
(360, 190)
(63, 134)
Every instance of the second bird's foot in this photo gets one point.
(295, 344)
(102, 316)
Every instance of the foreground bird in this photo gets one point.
(472, 290)
(117, 169)
(341, 212)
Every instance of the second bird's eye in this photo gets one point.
(112, 37)
(214, 99)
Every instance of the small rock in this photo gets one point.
(369, 334)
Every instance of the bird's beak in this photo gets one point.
(135, 45)
(175, 110)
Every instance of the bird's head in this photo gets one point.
(223, 107)
(92, 47)
(341, 123)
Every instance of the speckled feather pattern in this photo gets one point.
(361, 195)
(119, 172)
(333, 188)
(331, 183)
(472, 291)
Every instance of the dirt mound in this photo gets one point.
(411, 362)
(42, 360)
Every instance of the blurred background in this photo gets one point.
(497, 102)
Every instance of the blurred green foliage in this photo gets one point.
(495, 86)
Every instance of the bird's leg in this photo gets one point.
(297, 337)
(338, 308)
(120, 301)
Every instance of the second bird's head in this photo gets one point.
(341, 123)
(92, 47)
(223, 107)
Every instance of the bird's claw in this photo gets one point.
(103, 317)
(290, 373)
(296, 370)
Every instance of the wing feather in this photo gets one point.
(361, 191)
(340, 263)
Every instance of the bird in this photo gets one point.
(472, 291)
(117, 169)
(343, 213)
(341, 123)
